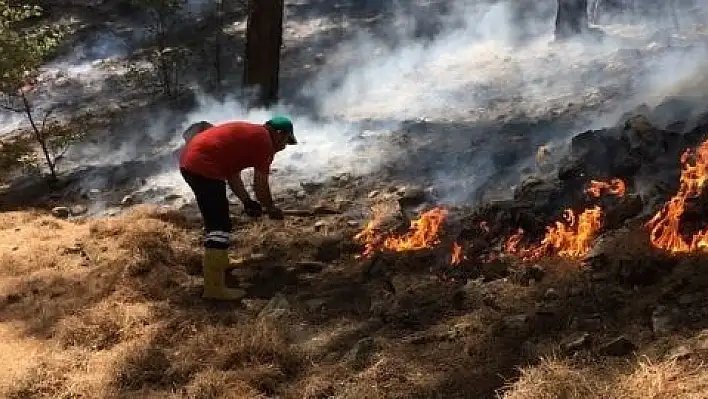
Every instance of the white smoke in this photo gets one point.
(478, 66)
(475, 70)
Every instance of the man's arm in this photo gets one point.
(261, 188)
(236, 184)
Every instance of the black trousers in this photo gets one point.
(214, 207)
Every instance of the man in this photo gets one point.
(216, 156)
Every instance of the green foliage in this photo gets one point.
(22, 49)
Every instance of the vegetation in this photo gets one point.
(23, 51)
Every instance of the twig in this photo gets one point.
(46, 117)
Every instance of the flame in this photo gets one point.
(664, 227)
(422, 233)
(572, 237)
(614, 186)
(457, 254)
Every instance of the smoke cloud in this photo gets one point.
(451, 83)
(476, 66)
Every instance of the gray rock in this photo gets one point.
(411, 196)
(517, 324)
(61, 212)
(315, 305)
(578, 343)
(360, 352)
(277, 307)
(681, 353)
(329, 248)
(535, 272)
(78, 210)
(551, 295)
(620, 346)
(663, 320)
(127, 200)
(459, 330)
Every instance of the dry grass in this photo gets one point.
(108, 308)
(555, 378)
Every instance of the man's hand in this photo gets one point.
(252, 208)
(275, 213)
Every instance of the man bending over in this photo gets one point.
(216, 156)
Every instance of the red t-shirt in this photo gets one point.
(224, 150)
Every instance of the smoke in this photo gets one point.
(481, 65)
(464, 85)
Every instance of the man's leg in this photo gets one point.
(214, 207)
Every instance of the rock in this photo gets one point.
(680, 353)
(315, 304)
(459, 330)
(329, 249)
(127, 200)
(172, 197)
(343, 204)
(494, 270)
(410, 196)
(277, 307)
(78, 210)
(516, 324)
(688, 299)
(360, 352)
(320, 224)
(663, 320)
(535, 272)
(74, 249)
(300, 194)
(628, 207)
(551, 295)
(578, 343)
(61, 212)
(311, 187)
(319, 58)
(418, 338)
(324, 209)
(254, 305)
(311, 266)
(374, 194)
(353, 223)
(620, 346)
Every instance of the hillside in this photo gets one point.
(474, 210)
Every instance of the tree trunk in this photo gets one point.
(39, 136)
(217, 44)
(572, 18)
(264, 36)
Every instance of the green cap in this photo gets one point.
(284, 125)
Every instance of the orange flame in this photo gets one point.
(614, 186)
(572, 237)
(457, 254)
(664, 226)
(422, 233)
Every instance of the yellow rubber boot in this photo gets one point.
(214, 266)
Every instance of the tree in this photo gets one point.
(264, 37)
(163, 18)
(23, 50)
(572, 18)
